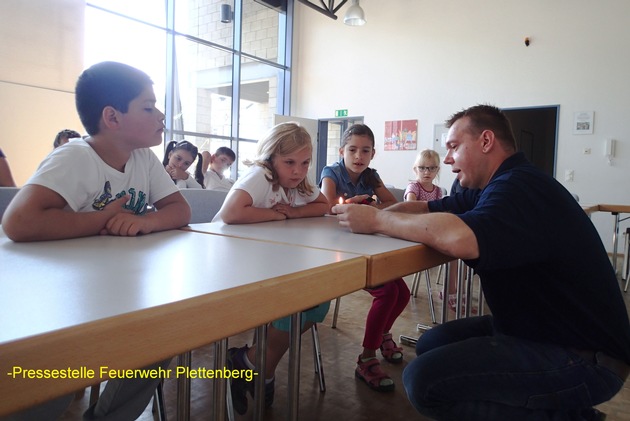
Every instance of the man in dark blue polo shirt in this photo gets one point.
(558, 340)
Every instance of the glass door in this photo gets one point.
(329, 140)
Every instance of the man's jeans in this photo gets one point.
(465, 371)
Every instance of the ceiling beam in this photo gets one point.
(327, 9)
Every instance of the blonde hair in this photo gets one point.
(283, 139)
(429, 155)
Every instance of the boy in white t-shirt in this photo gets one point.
(215, 165)
(112, 171)
(103, 185)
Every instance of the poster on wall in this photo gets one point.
(583, 122)
(401, 135)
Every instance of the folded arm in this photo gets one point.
(38, 213)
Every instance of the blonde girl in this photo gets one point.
(426, 167)
(275, 188)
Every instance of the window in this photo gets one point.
(221, 80)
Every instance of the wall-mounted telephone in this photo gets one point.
(609, 150)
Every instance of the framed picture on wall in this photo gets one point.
(583, 122)
(401, 135)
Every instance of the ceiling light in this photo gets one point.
(354, 15)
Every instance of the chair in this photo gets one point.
(6, 195)
(398, 193)
(204, 204)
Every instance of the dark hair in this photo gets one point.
(194, 151)
(107, 84)
(370, 178)
(64, 134)
(357, 130)
(224, 150)
(487, 117)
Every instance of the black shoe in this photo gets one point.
(238, 387)
(592, 414)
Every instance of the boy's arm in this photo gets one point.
(318, 207)
(172, 212)
(38, 213)
(205, 161)
(238, 209)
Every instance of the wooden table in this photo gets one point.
(388, 257)
(129, 302)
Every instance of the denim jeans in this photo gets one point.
(466, 371)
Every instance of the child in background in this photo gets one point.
(178, 157)
(103, 185)
(426, 167)
(275, 188)
(352, 180)
(215, 165)
(64, 137)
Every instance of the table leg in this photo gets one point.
(259, 382)
(183, 388)
(615, 235)
(220, 383)
(447, 275)
(294, 366)
(461, 274)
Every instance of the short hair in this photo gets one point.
(224, 150)
(280, 140)
(64, 134)
(107, 84)
(487, 117)
(356, 130)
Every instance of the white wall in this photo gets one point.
(41, 56)
(414, 59)
(425, 60)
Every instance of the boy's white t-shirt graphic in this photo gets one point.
(87, 183)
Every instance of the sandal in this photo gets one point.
(370, 372)
(391, 352)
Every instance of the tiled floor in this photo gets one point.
(346, 398)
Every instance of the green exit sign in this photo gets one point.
(341, 113)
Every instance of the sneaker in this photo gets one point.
(240, 387)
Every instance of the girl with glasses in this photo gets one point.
(426, 167)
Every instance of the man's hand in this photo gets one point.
(360, 219)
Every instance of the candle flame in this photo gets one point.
(341, 200)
